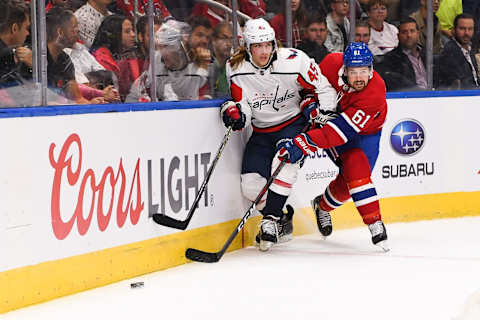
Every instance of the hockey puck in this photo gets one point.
(136, 285)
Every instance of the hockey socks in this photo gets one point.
(365, 198)
(274, 205)
(335, 195)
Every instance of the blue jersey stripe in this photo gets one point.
(364, 194)
(345, 127)
(331, 201)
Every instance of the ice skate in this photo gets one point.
(285, 228)
(268, 232)
(324, 221)
(285, 233)
(379, 235)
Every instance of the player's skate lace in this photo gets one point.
(324, 218)
(269, 226)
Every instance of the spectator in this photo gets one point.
(383, 35)
(362, 31)
(458, 66)
(222, 44)
(201, 32)
(62, 33)
(420, 17)
(127, 7)
(338, 26)
(199, 43)
(114, 48)
(403, 68)
(446, 13)
(298, 23)
(85, 64)
(15, 58)
(313, 43)
(89, 18)
(143, 46)
(178, 76)
(362, 34)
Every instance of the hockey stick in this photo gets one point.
(165, 220)
(209, 257)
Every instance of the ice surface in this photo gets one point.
(431, 272)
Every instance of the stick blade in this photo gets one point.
(202, 256)
(167, 221)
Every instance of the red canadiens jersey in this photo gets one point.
(361, 112)
(370, 104)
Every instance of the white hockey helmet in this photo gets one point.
(258, 31)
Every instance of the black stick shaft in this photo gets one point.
(182, 224)
(202, 256)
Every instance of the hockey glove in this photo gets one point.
(324, 116)
(314, 114)
(295, 150)
(232, 115)
(310, 108)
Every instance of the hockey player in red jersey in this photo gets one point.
(268, 85)
(351, 140)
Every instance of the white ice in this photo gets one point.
(431, 272)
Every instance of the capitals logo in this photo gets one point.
(407, 137)
(292, 55)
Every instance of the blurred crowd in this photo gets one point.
(98, 51)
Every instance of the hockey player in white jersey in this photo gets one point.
(277, 91)
(178, 77)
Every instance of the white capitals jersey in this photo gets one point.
(271, 97)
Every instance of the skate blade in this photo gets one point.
(286, 238)
(283, 239)
(384, 245)
(265, 245)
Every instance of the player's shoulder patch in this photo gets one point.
(293, 54)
